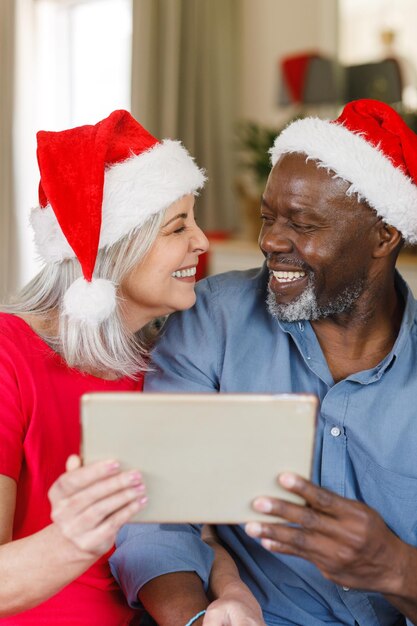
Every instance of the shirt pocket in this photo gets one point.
(394, 496)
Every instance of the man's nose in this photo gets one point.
(275, 239)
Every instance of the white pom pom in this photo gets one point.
(90, 302)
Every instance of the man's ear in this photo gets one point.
(388, 240)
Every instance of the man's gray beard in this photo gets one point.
(306, 307)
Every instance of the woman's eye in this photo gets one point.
(179, 230)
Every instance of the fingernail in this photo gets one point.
(263, 505)
(140, 488)
(253, 529)
(268, 544)
(135, 477)
(143, 500)
(113, 466)
(287, 480)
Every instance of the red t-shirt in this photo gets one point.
(39, 429)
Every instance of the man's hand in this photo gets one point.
(172, 599)
(236, 607)
(348, 541)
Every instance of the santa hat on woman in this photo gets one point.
(371, 147)
(99, 183)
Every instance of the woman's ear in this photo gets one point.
(388, 240)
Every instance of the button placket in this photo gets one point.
(333, 457)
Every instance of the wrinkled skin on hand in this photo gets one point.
(347, 540)
(89, 504)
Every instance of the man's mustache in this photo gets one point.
(293, 262)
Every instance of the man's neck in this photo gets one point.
(359, 340)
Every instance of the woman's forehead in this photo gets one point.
(182, 205)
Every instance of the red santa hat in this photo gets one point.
(98, 183)
(371, 147)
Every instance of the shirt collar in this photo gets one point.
(409, 314)
(306, 341)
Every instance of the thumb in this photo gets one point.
(216, 617)
(73, 462)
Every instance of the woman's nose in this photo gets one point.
(199, 242)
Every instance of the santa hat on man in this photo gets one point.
(371, 147)
(99, 183)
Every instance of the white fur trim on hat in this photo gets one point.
(50, 242)
(369, 171)
(134, 190)
(91, 302)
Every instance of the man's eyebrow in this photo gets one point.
(177, 217)
(293, 207)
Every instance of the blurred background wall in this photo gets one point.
(224, 76)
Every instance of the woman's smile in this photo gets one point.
(186, 274)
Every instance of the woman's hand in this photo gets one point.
(234, 604)
(90, 503)
(236, 607)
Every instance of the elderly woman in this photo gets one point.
(116, 229)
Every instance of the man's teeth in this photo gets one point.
(184, 273)
(288, 277)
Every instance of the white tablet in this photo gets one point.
(204, 457)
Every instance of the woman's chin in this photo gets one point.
(186, 303)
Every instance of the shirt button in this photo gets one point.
(335, 431)
(346, 588)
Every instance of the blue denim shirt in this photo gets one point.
(366, 444)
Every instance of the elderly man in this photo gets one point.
(327, 314)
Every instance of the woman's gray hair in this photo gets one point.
(106, 347)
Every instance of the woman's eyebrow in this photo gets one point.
(180, 215)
